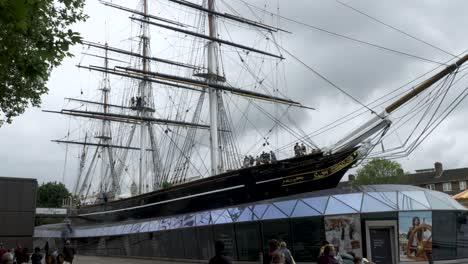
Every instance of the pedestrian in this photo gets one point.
(3, 250)
(36, 257)
(23, 256)
(328, 256)
(347, 258)
(273, 256)
(68, 252)
(8, 257)
(303, 149)
(273, 156)
(297, 150)
(357, 260)
(322, 246)
(49, 259)
(220, 257)
(288, 258)
(61, 259)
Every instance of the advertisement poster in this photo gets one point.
(344, 232)
(415, 235)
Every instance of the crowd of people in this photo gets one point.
(21, 255)
(278, 253)
(264, 158)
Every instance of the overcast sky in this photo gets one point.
(364, 72)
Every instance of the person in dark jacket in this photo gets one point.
(220, 258)
(36, 257)
(273, 255)
(328, 256)
(68, 252)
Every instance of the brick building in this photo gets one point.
(450, 181)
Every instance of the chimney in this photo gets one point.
(438, 169)
(351, 177)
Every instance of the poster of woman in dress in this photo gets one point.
(344, 232)
(415, 235)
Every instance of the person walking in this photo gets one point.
(8, 257)
(328, 256)
(68, 252)
(23, 257)
(36, 257)
(3, 250)
(220, 258)
(288, 258)
(273, 256)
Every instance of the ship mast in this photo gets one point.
(213, 68)
(143, 98)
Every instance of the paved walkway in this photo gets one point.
(109, 260)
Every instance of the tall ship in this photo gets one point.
(206, 121)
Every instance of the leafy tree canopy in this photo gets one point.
(35, 36)
(51, 194)
(381, 171)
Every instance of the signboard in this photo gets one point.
(415, 235)
(344, 232)
(51, 211)
(381, 246)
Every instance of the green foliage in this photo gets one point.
(381, 171)
(51, 194)
(35, 37)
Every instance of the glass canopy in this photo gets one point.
(338, 201)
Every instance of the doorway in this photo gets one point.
(381, 241)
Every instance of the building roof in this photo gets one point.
(428, 177)
(338, 201)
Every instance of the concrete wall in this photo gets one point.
(17, 211)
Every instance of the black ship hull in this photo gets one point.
(286, 177)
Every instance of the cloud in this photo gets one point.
(364, 72)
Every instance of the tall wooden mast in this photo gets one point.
(213, 73)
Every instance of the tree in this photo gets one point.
(381, 171)
(35, 36)
(52, 194)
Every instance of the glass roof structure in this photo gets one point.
(338, 201)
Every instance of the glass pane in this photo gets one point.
(223, 217)
(189, 236)
(444, 235)
(259, 209)
(318, 203)
(235, 212)
(276, 229)
(248, 241)
(128, 229)
(371, 204)
(247, 215)
(225, 233)
(203, 218)
(136, 228)
(406, 203)
(144, 227)
(462, 235)
(176, 222)
(205, 242)
(165, 224)
(308, 233)
(273, 213)
(286, 206)
(189, 220)
(303, 209)
(336, 207)
(154, 226)
(388, 198)
(351, 199)
(437, 203)
(418, 196)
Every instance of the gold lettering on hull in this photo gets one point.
(319, 174)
